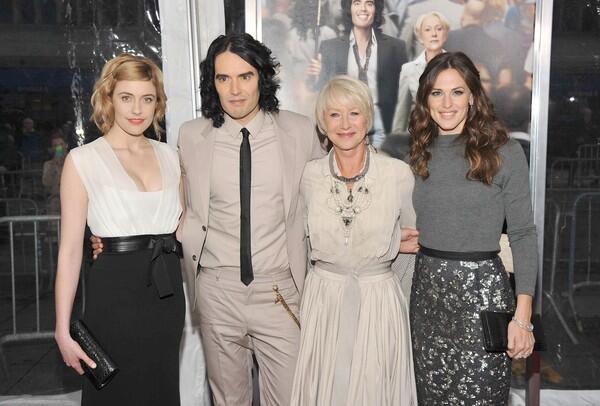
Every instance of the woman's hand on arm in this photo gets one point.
(74, 204)
(409, 241)
(520, 340)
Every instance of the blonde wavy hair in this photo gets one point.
(126, 67)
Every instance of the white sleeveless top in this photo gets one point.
(116, 207)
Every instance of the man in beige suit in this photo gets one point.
(242, 232)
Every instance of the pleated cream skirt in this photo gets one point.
(355, 346)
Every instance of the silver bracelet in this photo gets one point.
(524, 325)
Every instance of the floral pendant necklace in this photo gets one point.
(357, 200)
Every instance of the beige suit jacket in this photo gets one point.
(298, 144)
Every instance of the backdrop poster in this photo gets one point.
(314, 40)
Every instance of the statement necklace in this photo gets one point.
(351, 205)
(355, 178)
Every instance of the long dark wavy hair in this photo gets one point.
(251, 51)
(482, 134)
(378, 20)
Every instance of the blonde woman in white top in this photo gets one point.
(126, 187)
(355, 339)
(431, 29)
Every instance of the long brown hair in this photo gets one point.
(482, 134)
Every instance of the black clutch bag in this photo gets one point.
(106, 368)
(495, 331)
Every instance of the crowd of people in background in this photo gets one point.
(503, 28)
(26, 149)
(25, 146)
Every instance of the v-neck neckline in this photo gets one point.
(122, 168)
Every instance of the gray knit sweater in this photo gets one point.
(462, 215)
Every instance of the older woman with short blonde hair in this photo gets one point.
(355, 339)
(431, 29)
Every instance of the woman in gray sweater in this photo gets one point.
(469, 177)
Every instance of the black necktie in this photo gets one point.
(246, 273)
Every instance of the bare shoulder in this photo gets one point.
(71, 175)
(86, 151)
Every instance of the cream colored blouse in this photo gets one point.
(382, 205)
(116, 207)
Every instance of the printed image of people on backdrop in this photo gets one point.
(387, 44)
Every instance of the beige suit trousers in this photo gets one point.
(238, 320)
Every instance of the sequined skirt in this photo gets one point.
(451, 365)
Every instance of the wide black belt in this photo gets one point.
(160, 245)
(459, 256)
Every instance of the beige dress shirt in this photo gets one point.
(267, 213)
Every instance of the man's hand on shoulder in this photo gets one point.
(97, 246)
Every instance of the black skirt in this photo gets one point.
(451, 364)
(139, 330)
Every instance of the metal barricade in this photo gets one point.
(10, 207)
(24, 183)
(553, 212)
(574, 173)
(18, 207)
(568, 179)
(42, 227)
(589, 151)
(589, 154)
(584, 204)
